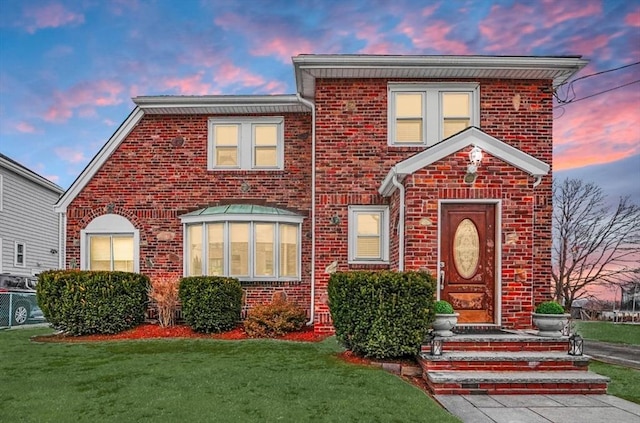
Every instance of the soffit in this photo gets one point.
(220, 105)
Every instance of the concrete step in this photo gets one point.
(507, 341)
(504, 361)
(515, 382)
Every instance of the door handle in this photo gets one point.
(442, 279)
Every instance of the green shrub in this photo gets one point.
(549, 307)
(443, 307)
(85, 302)
(381, 314)
(210, 303)
(274, 319)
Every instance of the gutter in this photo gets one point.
(313, 207)
(400, 187)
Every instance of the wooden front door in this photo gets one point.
(468, 256)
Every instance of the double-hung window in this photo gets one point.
(368, 234)
(424, 114)
(20, 252)
(246, 143)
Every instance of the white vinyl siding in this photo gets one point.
(368, 234)
(424, 114)
(246, 143)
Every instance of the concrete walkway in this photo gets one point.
(540, 408)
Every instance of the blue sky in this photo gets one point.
(68, 69)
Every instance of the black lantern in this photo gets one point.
(576, 344)
(436, 344)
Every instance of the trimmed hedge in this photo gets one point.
(381, 314)
(274, 319)
(210, 303)
(86, 302)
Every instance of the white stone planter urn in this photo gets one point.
(550, 324)
(443, 324)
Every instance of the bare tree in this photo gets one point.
(593, 243)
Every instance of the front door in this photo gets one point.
(467, 266)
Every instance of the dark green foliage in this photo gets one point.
(381, 314)
(549, 307)
(443, 307)
(274, 319)
(84, 302)
(210, 304)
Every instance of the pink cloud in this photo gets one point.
(190, 85)
(435, 36)
(228, 74)
(25, 128)
(282, 47)
(53, 15)
(83, 99)
(70, 155)
(589, 46)
(556, 12)
(633, 18)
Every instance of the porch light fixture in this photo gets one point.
(436, 343)
(576, 345)
(475, 158)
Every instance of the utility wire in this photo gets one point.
(599, 73)
(564, 103)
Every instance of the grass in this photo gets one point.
(198, 380)
(625, 382)
(610, 332)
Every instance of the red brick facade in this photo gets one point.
(152, 182)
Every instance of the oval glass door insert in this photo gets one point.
(466, 249)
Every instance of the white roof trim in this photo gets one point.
(221, 104)
(99, 159)
(468, 137)
(17, 168)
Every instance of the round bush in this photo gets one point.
(549, 307)
(210, 304)
(443, 307)
(85, 302)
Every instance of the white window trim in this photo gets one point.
(109, 224)
(432, 122)
(246, 145)
(1, 192)
(228, 219)
(15, 254)
(384, 235)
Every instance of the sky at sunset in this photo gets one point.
(68, 69)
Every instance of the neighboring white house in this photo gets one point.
(29, 228)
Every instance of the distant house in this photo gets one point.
(29, 228)
(435, 163)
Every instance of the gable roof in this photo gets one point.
(15, 167)
(308, 67)
(470, 136)
(154, 105)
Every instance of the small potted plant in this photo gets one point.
(550, 318)
(446, 318)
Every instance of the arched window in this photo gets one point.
(110, 242)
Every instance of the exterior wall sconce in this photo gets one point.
(334, 220)
(475, 158)
(436, 343)
(576, 345)
(53, 251)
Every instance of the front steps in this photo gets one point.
(508, 363)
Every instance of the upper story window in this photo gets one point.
(246, 143)
(19, 254)
(424, 114)
(368, 234)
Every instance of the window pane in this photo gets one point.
(288, 250)
(455, 104)
(123, 253)
(194, 250)
(100, 253)
(368, 247)
(368, 224)
(408, 105)
(264, 249)
(409, 130)
(226, 156)
(266, 156)
(453, 126)
(226, 135)
(216, 252)
(265, 134)
(239, 236)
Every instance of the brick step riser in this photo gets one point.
(519, 389)
(503, 366)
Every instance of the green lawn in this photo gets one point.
(625, 382)
(610, 332)
(198, 380)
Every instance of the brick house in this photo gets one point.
(437, 163)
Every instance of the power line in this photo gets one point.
(599, 73)
(564, 103)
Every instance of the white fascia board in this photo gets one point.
(153, 102)
(471, 136)
(242, 218)
(98, 160)
(26, 173)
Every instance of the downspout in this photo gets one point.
(313, 207)
(62, 240)
(398, 185)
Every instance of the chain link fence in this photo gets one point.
(17, 309)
